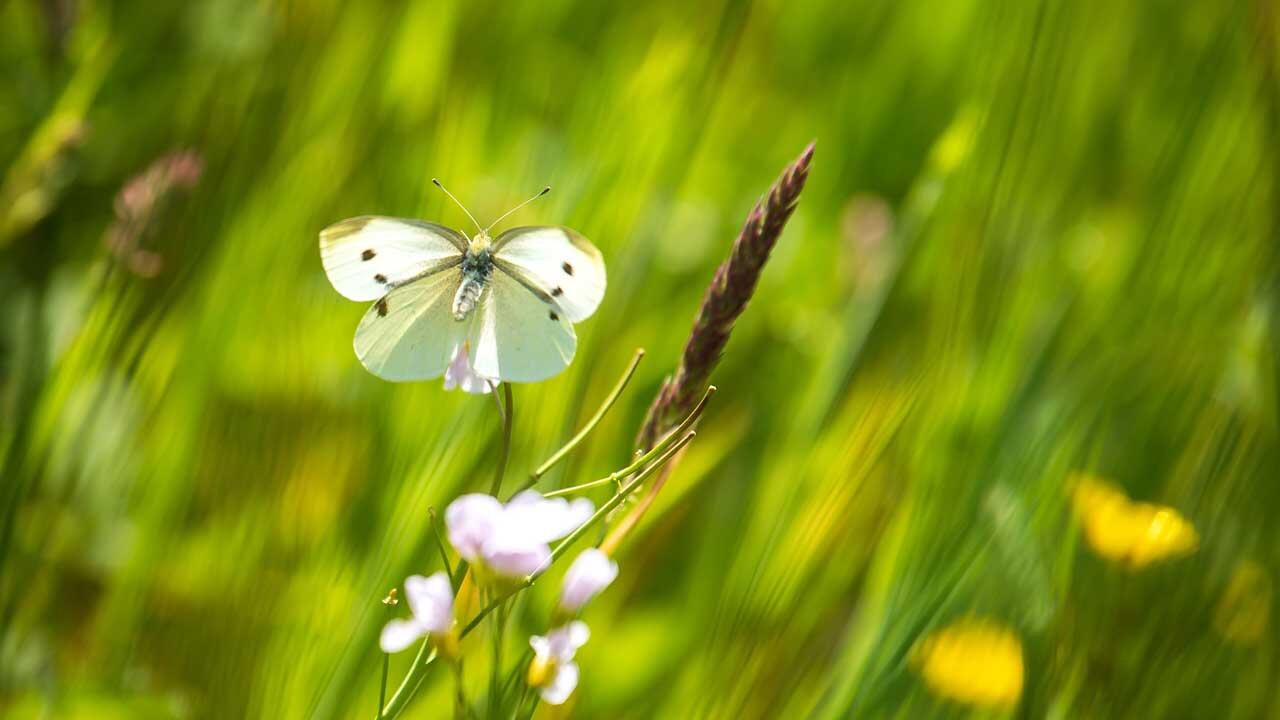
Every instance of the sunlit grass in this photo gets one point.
(205, 497)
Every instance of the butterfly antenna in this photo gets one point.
(544, 191)
(455, 200)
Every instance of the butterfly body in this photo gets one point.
(477, 267)
(507, 303)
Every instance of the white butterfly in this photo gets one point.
(502, 306)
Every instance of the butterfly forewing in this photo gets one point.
(365, 257)
(410, 333)
(556, 262)
(517, 335)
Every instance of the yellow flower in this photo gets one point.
(1133, 534)
(974, 661)
(1244, 612)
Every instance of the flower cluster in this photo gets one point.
(505, 544)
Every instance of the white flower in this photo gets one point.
(512, 539)
(431, 602)
(553, 671)
(461, 375)
(591, 572)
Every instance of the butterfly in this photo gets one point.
(477, 309)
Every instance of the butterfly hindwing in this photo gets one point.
(366, 256)
(410, 334)
(556, 261)
(519, 336)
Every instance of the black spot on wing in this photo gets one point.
(368, 255)
(557, 292)
(380, 278)
(568, 269)
(554, 317)
(381, 305)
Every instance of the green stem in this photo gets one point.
(444, 554)
(507, 409)
(412, 681)
(460, 710)
(495, 671)
(579, 488)
(609, 400)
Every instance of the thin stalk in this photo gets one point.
(382, 687)
(495, 670)
(599, 515)
(389, 602)
(507, 408)
(609, 400)
(412, 681)
(579, 488)
(643, 459)
(444, 554)
(530, 698)
(460, 710)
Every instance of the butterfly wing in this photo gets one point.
(410, 334)
(555, 262)
(519, 336)
(365, 256)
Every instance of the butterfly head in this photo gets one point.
(479, 243)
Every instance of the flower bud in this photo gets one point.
(591, 572)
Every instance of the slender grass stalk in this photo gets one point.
(444, 554)
(579, 488)
(573, 443)
(507, 408)
(727, 296)
(460, 709)
(412, 681)
(499, 626)
(389, 602)
(724, 301)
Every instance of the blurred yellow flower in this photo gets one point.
(1133, 534)
(1244, 612)
(974, 661)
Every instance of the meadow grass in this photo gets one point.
(1038, 239)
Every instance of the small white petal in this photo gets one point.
(461, 375)
(399, 634)
(472, 520)
(541, 647)
(562, 685)
(564, 641)
(536, 519)
(431, 600)
(516, 560)
(591, 572)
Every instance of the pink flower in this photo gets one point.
(512, 539)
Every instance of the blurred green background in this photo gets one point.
(1039, 237)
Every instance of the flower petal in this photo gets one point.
(564, 641)
(591, 572)
(472, 520)
(513, 559)
(461, 375)
(399, 634)
(541, 646)
(533, 518)
(431, 600)
(562, 685)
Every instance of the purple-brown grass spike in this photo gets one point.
(726, 297)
